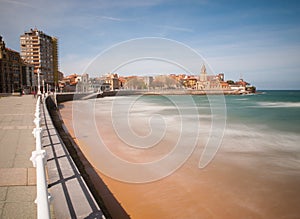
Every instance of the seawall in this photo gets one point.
(105, 199)
(63, 97)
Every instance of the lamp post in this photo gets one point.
(43, 87)
(39, 82)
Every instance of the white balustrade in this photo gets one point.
(39, 160)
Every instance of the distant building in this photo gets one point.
(83, 83)
(224, 85)
(10, 69)
(211, 82)
(69, 82)
(220, 76)
(85, 78)
(203, 74)
(148, 81)
(203, 82)
(41, 51)
(60, 75)
(190, 82)
(242, 86)
(122, 82)
(113, 80)
(28, 80)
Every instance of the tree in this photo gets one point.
(135, 83)
(230, 82)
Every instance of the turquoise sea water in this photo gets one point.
(273, 110)
(276, 110)
(263, 123)
(266, 120)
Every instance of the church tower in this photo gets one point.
(203, 74)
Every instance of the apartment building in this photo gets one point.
(10, 69)
(41, 50)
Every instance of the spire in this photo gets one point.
(203, 69)
(203, 76)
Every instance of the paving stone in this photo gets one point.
(13, 176)
(26, 210)
(3, 192)
(31, 176)
(22, 161)
(21, 194)
(6, 163)
(8, 147)
(1, 208)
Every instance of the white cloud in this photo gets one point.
(116, 4)
(19, 3)
(111, 18)
(174, 28)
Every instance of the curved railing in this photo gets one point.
(39, 160)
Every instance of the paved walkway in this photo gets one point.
(17, 175)
(71, 198)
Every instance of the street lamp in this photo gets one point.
(44, 87)
(39, 82)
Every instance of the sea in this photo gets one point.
(272, 111)
(242, 149)
(275, 111)
(270, 117)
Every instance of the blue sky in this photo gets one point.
(258, 40)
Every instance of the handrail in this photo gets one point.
(38, 159)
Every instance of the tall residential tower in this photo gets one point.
(41, 51)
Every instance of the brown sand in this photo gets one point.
(234, 185)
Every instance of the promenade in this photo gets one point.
(17, 174)
(71, 198)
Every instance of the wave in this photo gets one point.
(243, 138)
(242, 99)
(279, 104)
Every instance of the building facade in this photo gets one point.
(41, 51)
(112, 80)
(10, 69)
(29, 82)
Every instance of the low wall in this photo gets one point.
(63, 97)
(5, 94)
(105, 199)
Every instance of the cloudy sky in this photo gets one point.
(258, 40)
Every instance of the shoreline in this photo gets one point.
(181, 92)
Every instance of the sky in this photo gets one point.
(256, 40)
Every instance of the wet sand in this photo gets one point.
(235, 185)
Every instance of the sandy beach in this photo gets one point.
(236, 184)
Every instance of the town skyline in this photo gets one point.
(255, 39)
